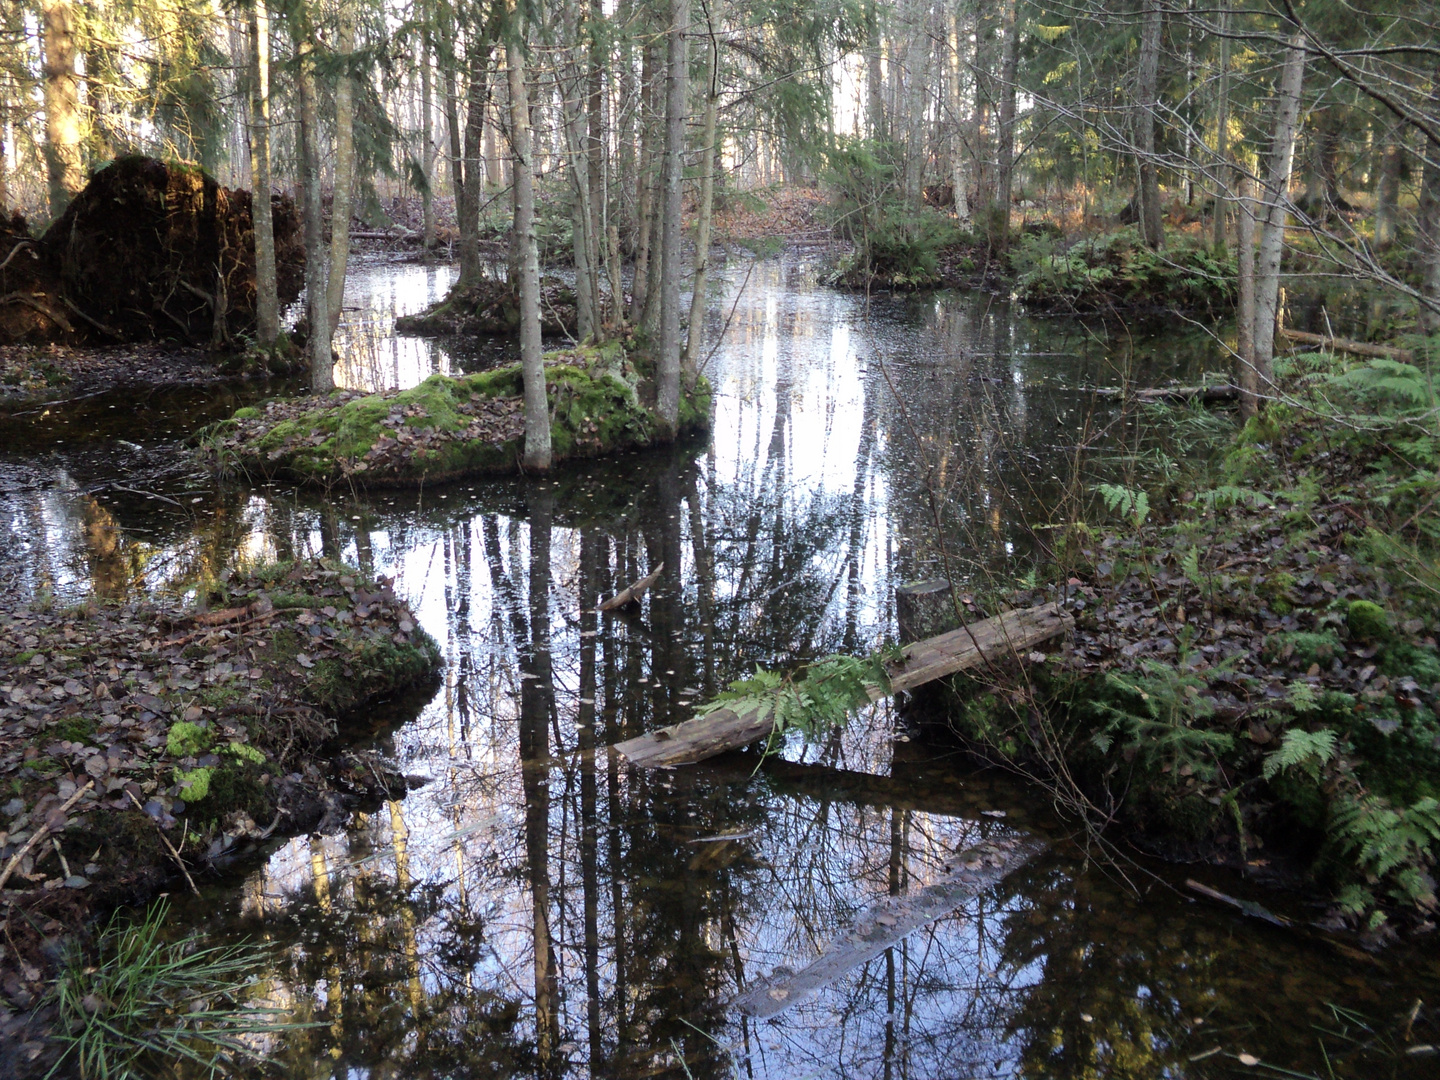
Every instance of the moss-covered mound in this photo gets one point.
(491, 308)
(452, 426)
(208, 728)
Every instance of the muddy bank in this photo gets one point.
(136, 738)
(601, 402)
(147, 251)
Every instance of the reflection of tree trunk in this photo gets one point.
(536, 694)
(590, 555)
(400, 835)
(858, 514)
(704, 583)
(330, 532)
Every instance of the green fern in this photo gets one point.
(1309, 751)
(1126, 502)
(1227, 495)
(1387, 383)
(1386, 843)
(828, 694)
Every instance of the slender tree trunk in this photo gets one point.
(322, 364)
(1387, 193)
(707, 203)
(1428, 223)
(1147, 89)
(573, 89)
(267, 300)
(1274, 210)
(917, 83)
(667, 402)
(1222, 131)
(1004, 177)
(340, 205)
(1245, 303)
(62, 104)
(427, 129)
(595, 161)
(467, 207)
(455, 160)
(644, 185)
(874, 71)
(959, 173)
(537, 406)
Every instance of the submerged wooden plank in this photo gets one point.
(989, 641)
(883, 925)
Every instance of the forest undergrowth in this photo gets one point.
(1253, 677)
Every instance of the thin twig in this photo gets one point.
(40, 834)
(166, 841)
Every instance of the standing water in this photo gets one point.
(534, 906)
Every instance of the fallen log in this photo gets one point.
(990, 641)
(1173, 393)
(879, 927)
(1355, 348)
(634, 592)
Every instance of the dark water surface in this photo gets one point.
(535, 907)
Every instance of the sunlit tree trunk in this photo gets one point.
(1004, 173)
(267, 301)
(959, 171)
(340, 205)
(537, 408)
(707, 203)
(322, 365)
(1147, 84)
(1274, 209)
(1222, 132)
(62, 104)
(667, 402)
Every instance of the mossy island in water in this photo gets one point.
(601, 402)
(491, 308)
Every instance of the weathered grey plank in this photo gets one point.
(989, 641)
(885, 924)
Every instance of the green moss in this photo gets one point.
(249, 412)
(370, 667)
(1305, 648)
(23, 657)
(187, 740)
(194, 783)
(1367, 621)
(74, 729)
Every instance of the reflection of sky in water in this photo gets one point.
(570, 916)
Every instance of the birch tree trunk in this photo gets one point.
(1245, 303)
(1147, 90)
(341, 201)
(62, 104)
(1004, 174)
(267, 300)
(1275, 207)
(537, 406)
(696, 334)
(317, 313)
(667, 397)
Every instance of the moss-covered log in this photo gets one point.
(601, 402)
(491, 308)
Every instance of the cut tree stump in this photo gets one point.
(974, 871)
(634, 592)
(924, 608)
(990, 641)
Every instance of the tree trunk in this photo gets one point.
(874, 72)
(707, 204)
(340, 205)
(595, 162)
(573, 88)
(456, 158)
(322, 364)
(267, 301)
(667, 395)
(1004, 175)
(644, 188)
(959, 174)
(467, 206)
(1222, 132)
(1387, 193)
(1147, 89)
(1245, 302)
(537, 407)
(62, 104)
(1274, 209)
(427, 130)
(1428, 224)
(917, 82)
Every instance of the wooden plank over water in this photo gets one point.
(883, 925)
(991, 641)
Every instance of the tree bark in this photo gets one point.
(427, 129)
(1222, 132)
(341, 200)
(1275, 208)
(467, 206)
(696, 333)
(537, 407)
(1005, 171)
(1245, 302)
(1387, 193)
(1428, 224)
(874, 72)
(1147, 90)
(573, 88)
(62, 104)
(644, 188)
(917, 81)
(322, 364)
(959, 174)
(267, 300)
(667, 397)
